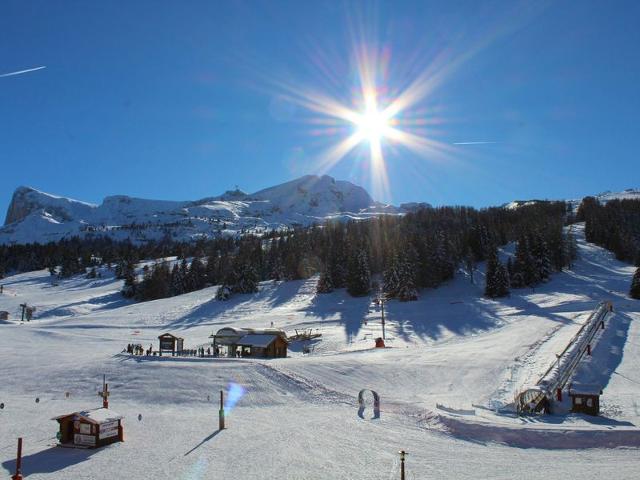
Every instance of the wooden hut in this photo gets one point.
(585, 398)
(4, 315)
(90, 428)
(170, 343)
(250, 342)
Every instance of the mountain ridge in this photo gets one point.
(37, 216)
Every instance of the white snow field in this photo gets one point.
(454, 357)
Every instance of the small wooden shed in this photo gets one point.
(250, 342)
(170, 343)
(585, 398)
(90, 428)
(263, 345)
(4, 315)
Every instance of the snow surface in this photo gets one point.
(454, 358)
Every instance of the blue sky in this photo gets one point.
(183, 100)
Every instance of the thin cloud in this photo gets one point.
(20, 72)
(472, 143)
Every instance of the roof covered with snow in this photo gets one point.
(253, 340)
(96, 415)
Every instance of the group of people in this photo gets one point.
(138, 349)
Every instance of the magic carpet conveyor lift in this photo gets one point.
(537, 399)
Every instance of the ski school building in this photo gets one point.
(250, 342)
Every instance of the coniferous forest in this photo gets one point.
(614, 226)
(406, 253)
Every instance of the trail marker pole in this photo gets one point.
(382, 309)
(402, 456)
(104, 393)
(221, 412)
(18, 474)
(24, 307)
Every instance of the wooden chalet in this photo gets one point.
(250, 342)
(170, 343)
(585, 398)
(90, 428)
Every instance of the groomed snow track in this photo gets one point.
(536, 399)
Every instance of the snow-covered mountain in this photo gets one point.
(604, 197)
(35, 216)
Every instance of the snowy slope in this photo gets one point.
(38, 216)
(452, 348)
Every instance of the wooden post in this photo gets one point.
(402, 455)
(104, 393)
(221, 412)
(382, 306)
(18, 474)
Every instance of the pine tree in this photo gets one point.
(358, 274)
(246, 280)
(324, 283)
(92, 273)
(524, 266)
(223, 293)
(497, 280)
(542, 260)
(130, 288)
(196, 275)
(634, 292)
(177, 281)
(399, 278)
(391, 278)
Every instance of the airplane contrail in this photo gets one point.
(472, 143)
(20, 72)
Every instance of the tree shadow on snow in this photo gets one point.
(341, 308)
(50, 460)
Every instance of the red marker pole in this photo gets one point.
(18, 475)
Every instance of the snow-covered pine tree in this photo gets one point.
(399, 278)
(502, 281)
(358, 274)
(497, 277)
(634, 291)
(524, 267)
(324, 283)
(570, 249)
(407, 290)
(391, 278)
(542, 260)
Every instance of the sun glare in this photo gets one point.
(373, 125)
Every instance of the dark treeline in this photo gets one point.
(418, 250)
(614, 226)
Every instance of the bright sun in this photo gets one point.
(373, 126)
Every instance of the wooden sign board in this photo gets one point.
(88, 440)
(108, 430)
